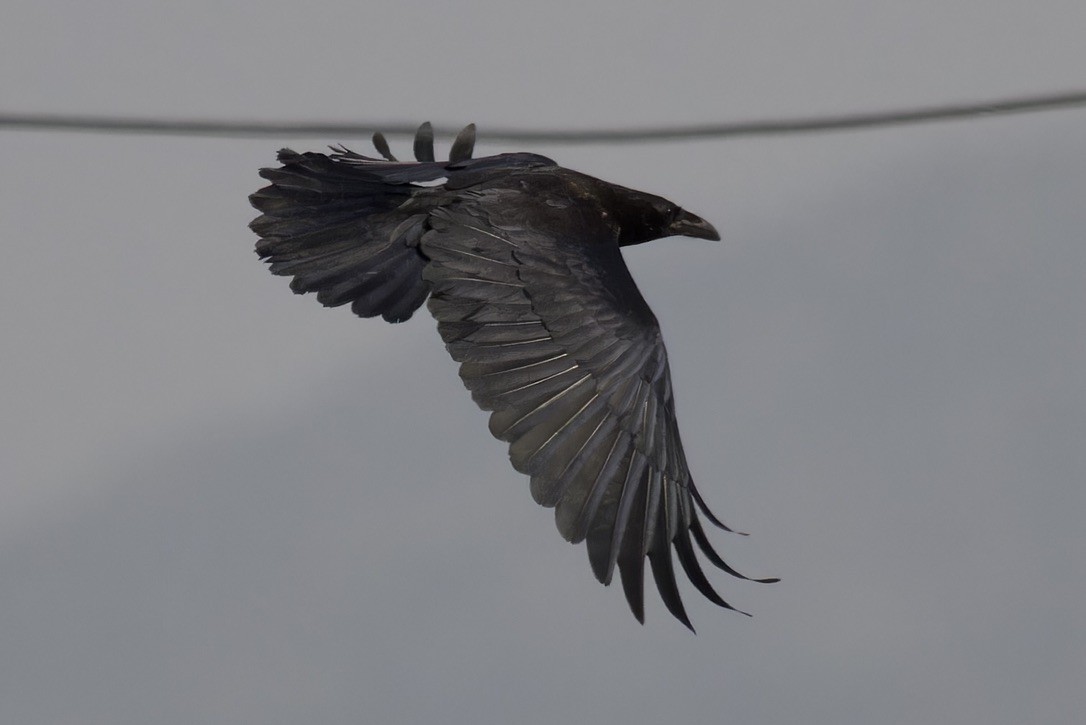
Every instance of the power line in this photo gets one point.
(766, 127)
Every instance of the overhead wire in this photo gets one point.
(763, 127)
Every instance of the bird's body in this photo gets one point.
(520, 260)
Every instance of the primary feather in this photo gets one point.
(520, 261)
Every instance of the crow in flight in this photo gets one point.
(520, 261)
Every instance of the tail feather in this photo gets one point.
(339, 230)
(348, 226)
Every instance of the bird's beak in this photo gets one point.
(689, 225)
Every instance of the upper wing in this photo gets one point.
(554, 338)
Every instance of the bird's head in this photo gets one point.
(644, 217)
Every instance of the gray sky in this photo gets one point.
(221, 503)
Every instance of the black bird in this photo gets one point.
(520, 260)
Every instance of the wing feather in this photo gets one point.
(571, 363)
(614, 520)
(631, 555)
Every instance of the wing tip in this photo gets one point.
(424, 142)
(704, 507)
(707, 548)
(464, 144)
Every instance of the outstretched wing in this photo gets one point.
(553, 336)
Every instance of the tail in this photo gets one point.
(347, 226)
